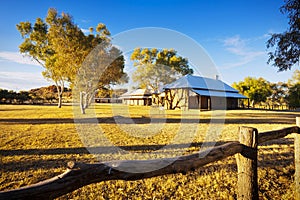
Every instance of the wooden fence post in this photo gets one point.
(247, 164)
(297, 161)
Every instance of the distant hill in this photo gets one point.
(34, 96)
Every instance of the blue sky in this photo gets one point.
(233, 32)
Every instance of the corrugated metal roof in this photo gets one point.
(136, 97)
(219, 94)
(197, 82)
(125, 94)
(139, 93)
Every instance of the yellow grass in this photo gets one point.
(36, 142)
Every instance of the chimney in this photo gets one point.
(217, 77)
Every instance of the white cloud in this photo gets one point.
(85, 31)
(239, 47)
(85, 20)
(234, 41)
(21, 80)
(264, 36)
(17, 58)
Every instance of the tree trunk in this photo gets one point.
(90, 100)
(81, 103)
(86, 101)
(59, 94)
(59, 100)
(88, 97)
(252, 104)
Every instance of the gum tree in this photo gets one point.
(61, 47)
(286, 44)
(256, 89)
(155, 68)
(39, 45)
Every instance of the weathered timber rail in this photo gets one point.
(80, 174)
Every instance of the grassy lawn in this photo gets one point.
(36, 142)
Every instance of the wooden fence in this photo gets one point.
(79, 174)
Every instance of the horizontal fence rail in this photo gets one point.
(80, 174)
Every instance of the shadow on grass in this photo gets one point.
(251, 119)
(265, 159)
(138, 148)
(26, 165)
(104, 149)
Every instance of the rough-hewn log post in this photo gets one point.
(297, 161)
(247, 164)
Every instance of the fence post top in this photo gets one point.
(247, 127)
(243, 129)
(248, 136)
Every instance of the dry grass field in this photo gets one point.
(36, 142)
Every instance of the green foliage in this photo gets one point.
(47, 93)
(295, 78)
(40, 43)
(12, 97)
(257, 90)
(102, 67)
(113, 72)
(287, 44)
(273, 94)
(33, 96)
(279, 93)
(61, 47)
(294, 95)
(158, 67)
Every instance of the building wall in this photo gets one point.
(179, 99)
(194, 102)
(185, 99)
(137, 102)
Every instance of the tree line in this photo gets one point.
(271, 95)
(34, 96)
(260, 92)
